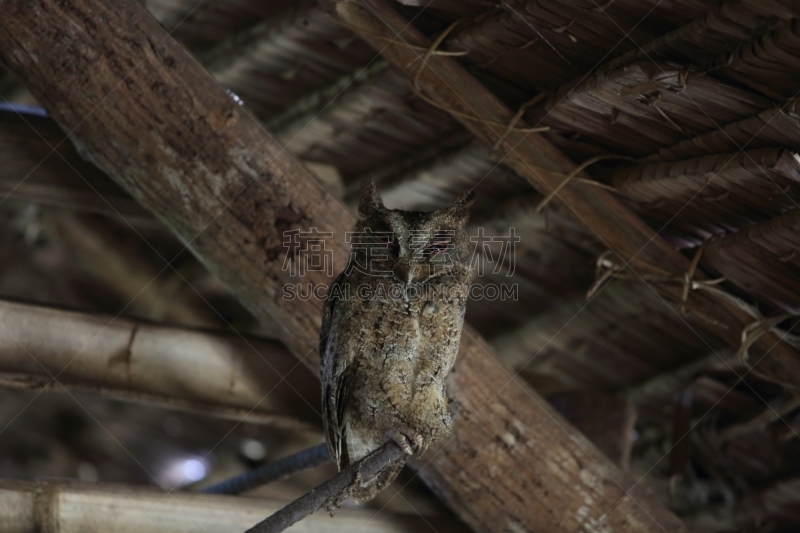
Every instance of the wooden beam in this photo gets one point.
(64, 506)
(139, 270)
(450, 87)
(215, 373)
(35, 166)
(164, 129)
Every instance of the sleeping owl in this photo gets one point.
(390, 333)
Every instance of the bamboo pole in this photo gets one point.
(213, 373)
(162, 128)
(71, 507)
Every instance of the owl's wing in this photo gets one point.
(334, 369)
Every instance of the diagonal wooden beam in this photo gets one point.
(62, 179)
(161, 127)
(450, 87)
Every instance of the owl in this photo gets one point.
(390, 333)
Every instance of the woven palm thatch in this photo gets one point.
(697, 98)
(715, 194)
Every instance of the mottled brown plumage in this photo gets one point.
(390, 333)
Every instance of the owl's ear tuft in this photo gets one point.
(370, 200)
(460, 206)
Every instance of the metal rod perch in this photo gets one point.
(367, 468)
(273, 471)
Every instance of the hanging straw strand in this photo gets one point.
(580, 168)
(429, 52)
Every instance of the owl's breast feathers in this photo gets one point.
(383, 366)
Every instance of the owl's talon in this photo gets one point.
(409, 441)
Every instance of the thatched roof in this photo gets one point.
(698, 98)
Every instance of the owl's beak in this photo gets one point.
(404, 271)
